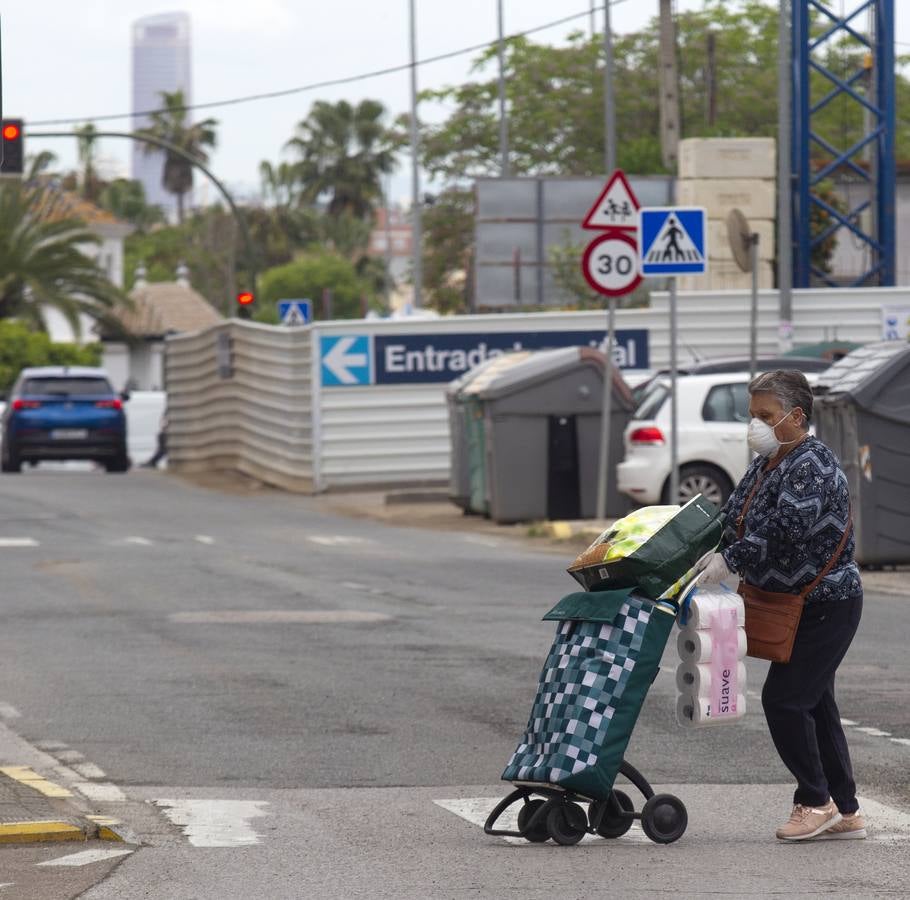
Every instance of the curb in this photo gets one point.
(72, 825)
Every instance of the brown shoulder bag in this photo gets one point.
(772, 618)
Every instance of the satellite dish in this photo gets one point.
(740, 236)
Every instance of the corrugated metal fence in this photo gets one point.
(255, 398)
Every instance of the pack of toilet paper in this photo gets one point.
(711, 678)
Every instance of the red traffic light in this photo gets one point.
(11, 131)
(245, 298)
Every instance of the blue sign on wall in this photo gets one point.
(346, 360)
(429, 358)
(295, 312)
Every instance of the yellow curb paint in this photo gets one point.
(36, 832)
(25, 775)
(560, 530)
(108, 834)
(107, 828)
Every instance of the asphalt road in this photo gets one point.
(188, 643)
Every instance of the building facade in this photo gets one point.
(161, 62)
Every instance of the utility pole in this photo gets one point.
(609, 98)
(784, 181)
(503, 121)
(669, 87)
(416, 239)
(711, 80)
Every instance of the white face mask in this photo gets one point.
(762, 439)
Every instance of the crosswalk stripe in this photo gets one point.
(14, 542)
(86, 857)
(215, 823)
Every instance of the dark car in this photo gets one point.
(64, 412)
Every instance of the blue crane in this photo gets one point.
(867, 28)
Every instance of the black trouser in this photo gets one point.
(802, 715)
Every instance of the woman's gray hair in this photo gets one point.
(789, 386)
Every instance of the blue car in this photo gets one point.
(64, 412)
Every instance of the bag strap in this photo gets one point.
(834, 558)
(741, 520)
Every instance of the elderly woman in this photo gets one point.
(797, 521)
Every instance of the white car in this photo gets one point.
(713, 415)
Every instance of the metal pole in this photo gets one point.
(753, 339)
(417, 261)
(503, 121)
(674, 417)
(784, 179)
(609, 99)
(606, 411)
(387, 255)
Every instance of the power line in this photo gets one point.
(350, 79)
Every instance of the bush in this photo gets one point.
(306, 278)
(20, 348)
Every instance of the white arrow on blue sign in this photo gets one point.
(346, 360)
(295, 312)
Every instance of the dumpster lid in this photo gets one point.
(866, 374)
(543, 365)
(477, 378)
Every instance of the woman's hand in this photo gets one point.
(717, 571)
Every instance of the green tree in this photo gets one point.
(344, 151)
(307, 277)
(42, 263)
(21, 347)
(86, 136)
(448, 228)
(170, 124)
(125, 198)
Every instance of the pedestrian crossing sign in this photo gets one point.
(672, 241)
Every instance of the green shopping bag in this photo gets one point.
(653, 549)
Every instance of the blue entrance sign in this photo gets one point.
(672, 241)
(429, 358)
(346, 360)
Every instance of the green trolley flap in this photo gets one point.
(590, 606)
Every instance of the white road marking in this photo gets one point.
(337, 540)
(105, 792)
(215, 823)
(8, 884)
(873, 732)
(904, 741)
(255, 616)
(136, 539)
(86, 857)
(848, 722)
(476, 810)
(18, 542)
(89, 770)
(482, 541)
(51, 746)
(206, 539)
(885, 822)
(69, 756)
(7, 711)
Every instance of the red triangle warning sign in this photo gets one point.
(616, 207)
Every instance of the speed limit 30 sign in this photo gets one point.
(610, 264)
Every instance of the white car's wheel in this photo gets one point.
(713, 484)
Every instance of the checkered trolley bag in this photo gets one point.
(605, 656)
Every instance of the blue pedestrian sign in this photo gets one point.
(347, 360)
(295, 312)
(672, 241)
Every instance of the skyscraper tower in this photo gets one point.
(161, 62)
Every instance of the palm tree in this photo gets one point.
(170, 124)
(42, 265)
(279, 183)
(344, 151)
(86, 137)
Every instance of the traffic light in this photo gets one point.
(12, 155)
(246, 298)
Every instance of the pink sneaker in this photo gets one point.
(852, 827)
(808, 821)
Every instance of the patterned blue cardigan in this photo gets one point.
(794, 525)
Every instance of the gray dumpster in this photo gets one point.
(863, 414)
(467, 474)
(542, 428)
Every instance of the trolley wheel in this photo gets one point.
(567, 823)
(612, 825)
(538, 834)
(664, 818)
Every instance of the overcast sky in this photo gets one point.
(63, 58)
